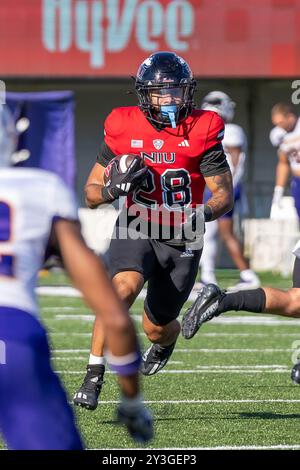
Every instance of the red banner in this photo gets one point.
(109, 38)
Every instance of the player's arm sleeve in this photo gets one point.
(105, 155)
(215, 133)
(214, 161)
(113, 126)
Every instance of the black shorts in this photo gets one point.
(170, 271)
(296, 273)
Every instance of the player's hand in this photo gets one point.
(121, 184)
(138, 421)
(276, 207)
(276, 212)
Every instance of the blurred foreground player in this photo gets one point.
(211, 302)
(181, 148)
(34, 412)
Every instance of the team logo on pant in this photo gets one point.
(188, 253)
(158, 143)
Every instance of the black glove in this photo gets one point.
(120, 184)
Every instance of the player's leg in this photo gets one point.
(208, 257)
(163, 339)
(34, 411)
(248, 278)
(128, 285)
(211, 302)
(125, 259)
(294, 307)
(87, 394)
(168, 290)
(232, 243)
(295, 191)
(264, 300)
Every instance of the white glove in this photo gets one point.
(276, 207)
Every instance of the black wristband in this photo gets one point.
(208, 213)
(106, 195)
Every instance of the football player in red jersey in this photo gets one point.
(182, 151)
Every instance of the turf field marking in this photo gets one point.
(64, 333)
(258, 366)
(84, 358)
(204, 350)
(58, 309)
(233, 350)
(204, 402)
(263, 335)
(87, 335)
(86, 317)
(81, 317)
(194, 371)
(245, 320)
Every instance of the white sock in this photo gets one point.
(248, 275)
(96, 360)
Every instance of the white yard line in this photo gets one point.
(205, 402)
(237, 320)
(67, 333)
(203, 350)
(213, 335)
(67, 309)
(258, 366)
(246, 335)
(84, 358)
(67, 291)
(87, 317)
(195, 371)
(87, 335)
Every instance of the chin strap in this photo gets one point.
(170, 113)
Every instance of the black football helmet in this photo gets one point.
(165, 74)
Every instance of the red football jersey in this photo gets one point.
(173, 156)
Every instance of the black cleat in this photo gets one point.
(295, 374)
(88, 393)
(203, 309)
(138, 422)
(155, 358)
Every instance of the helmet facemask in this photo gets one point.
(166, 104)
(165, 87)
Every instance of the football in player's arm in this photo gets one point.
(182, 151)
